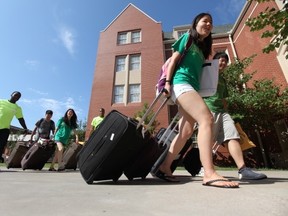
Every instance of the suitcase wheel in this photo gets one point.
(130, 179)
(143, 177)
(116, 179)
(89, 182)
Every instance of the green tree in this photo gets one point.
(141, 113)
(257, 105)
(80, 131)
(277, 22)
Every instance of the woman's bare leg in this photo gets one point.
(194, 109)
(185, 132)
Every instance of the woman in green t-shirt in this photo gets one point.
(183, 86)
(64, 127)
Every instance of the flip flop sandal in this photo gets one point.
(161, 175)
(210, 183)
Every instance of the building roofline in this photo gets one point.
(240, 17)
(130, 4)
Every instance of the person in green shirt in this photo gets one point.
(64, 127)
(182, 84)
(97, 120)
(224, 130)
(9, 109)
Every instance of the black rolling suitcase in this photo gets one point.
(187, 157)
(164, 138)
(144, 160)
(192, 162)
(141, 166)
(38, 154)
(110, 148)
(18, 152)
(70, 157)
(114, 146)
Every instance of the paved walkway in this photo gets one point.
(41, 193)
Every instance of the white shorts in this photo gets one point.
(179, 89)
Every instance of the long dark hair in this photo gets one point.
(206, 44)
(73, 121)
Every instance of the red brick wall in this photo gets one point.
(248, 43)
(152, 58)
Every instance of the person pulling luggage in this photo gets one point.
(44, 127)
(64, 127)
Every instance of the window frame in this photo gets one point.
(134, 94)
(118, 94)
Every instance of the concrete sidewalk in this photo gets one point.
(66, 193)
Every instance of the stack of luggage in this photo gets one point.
(121, 145)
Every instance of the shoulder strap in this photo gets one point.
(187, 47)
(51, 123)
(41, 120)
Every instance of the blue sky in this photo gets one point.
(48, 47)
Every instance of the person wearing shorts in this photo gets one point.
(224, 130)
(182, 84)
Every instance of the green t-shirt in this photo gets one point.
(7, 111)
(96, 121)
(63, 131)
(190, 69)
(215, 102)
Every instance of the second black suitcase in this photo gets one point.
(110, 148)
(168, 141)
(142, 163)
(38, 155)
(70, 157)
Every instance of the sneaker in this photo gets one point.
(201, 172)
(247, 174)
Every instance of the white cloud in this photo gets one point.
(38, 92)
(67, 37)
(32, 64)
(26, 101)
(59, 107)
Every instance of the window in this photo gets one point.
(127, 79)
(118, 94)
(135, 62)
(129, 37)
(122, 38)
(120, 63)
(134, 93)
(135, 37)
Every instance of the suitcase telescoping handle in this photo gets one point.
(167, 133)
(151, 107)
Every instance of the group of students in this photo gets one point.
(64, 127)
(43, 128)
(210, 114)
